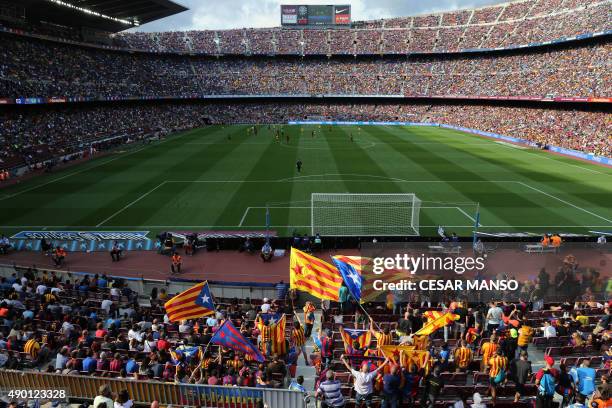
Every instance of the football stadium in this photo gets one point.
(341, 207)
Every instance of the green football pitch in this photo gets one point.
(223, 177)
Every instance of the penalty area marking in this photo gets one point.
(394, 180)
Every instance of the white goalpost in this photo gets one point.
(346, 214)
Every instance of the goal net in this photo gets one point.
(365, 214)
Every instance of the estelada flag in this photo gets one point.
(350, 336)
(193, 303)
(364, 266)
(312, 275)
(436, 324)
(279, 346)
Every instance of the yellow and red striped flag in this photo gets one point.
(312, 275)
(279, 346)
(436, 324)
(193, 303)
(432, 315)
(350, 336)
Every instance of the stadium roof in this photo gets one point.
(107, 15)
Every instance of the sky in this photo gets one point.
(224, 14)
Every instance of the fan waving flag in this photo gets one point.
(228, 336)
(432, 315)
(193, 303)
(352, 276)
(363, 266)
(350, 336)
(436, 324)
(312, 275)
(279, 345)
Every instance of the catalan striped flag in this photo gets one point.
(279, 346)
(228, 336)
(193, 303)
(312, 275)
(350, 336)
(411, 357)
(437, 323)
(432, 315)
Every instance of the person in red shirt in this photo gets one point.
(59, 256)
(162, 343)
(101, 331)
(177, 262)
(116, 364)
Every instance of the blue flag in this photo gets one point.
(352, 278)
(229, 336)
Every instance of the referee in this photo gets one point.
(298, 165)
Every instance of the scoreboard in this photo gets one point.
(316, 15)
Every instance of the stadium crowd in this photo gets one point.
(98, 326)
(34, 68)
(515, 23)
(40, 134)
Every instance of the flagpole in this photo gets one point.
(359, 303)
(476, 224)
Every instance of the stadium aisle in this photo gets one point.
(309, 372)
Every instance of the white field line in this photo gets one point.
(545, 156)
(342, 180)
(564, 202)
(89, 168)
(467, 215)
(131, 204)
(68, 175)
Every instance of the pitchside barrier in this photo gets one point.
(86, 387)
(143, 286)
(561, 150)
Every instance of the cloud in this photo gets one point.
(266, 13)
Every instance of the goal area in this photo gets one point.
(346, 214)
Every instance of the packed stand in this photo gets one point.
(32, 68)
(485, 355)
(516, 23)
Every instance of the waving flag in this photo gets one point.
(352, 277)
(312, 275)
(193, 303)
(432, 315)
(229, 336)
(419, 358)
(436, 324)
(279, 346)
(350, 336)
(363, 266)
(188, 353)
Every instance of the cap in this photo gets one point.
(549, 360)
(513, 333)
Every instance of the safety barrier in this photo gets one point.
(86, 387)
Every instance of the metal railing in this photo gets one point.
(86, 387)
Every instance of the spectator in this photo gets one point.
(104, 397)
(330, 390)
(520, 372)
(546, 381)
(363, 381)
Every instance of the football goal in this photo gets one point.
(365, 214)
